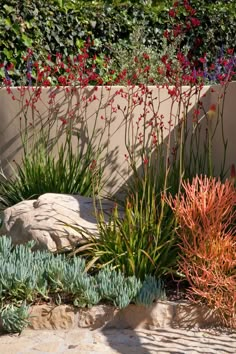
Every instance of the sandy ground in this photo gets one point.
(85, 341)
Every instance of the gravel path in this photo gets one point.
(85, 341)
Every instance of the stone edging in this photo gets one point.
(161, 314)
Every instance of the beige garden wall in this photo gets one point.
(114, 117)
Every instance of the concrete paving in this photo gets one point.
(113, 341)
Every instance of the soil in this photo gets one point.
(176, 289)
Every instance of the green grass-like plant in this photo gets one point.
(134, 244)
(71, 172)
(140, 240)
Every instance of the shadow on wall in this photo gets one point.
(104, 116)
(169, 149)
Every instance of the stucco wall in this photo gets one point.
(109, 110)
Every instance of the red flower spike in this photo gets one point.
(63, 120)
(213, 107)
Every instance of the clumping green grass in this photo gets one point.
(41, 172)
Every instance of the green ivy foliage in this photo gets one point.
(216, 31)
(63, 25)
(218, 21)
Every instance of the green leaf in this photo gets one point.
(8, 22)
(8, 53)
(61, 3)
(27, 41)
(9, 9)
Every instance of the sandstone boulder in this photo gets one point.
(48, 221)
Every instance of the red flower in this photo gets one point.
(198, 42)
(202, 60)
(189, 9)
(212, 66)
(224, 62)
(146, 56)
(62, 80)
(164, 59)
(63, 120)
(166, 34)
(172, 13)
(177, 30)
(195, 21)
(10, 66)
(213, 107)
(196, 112)
(46, 83)
(93, 165)
(146, 69)
(29, 51)
(230, 51)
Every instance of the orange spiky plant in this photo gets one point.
(206, 214)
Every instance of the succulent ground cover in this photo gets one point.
(29, 277)
(179, 219)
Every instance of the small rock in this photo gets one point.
(48, 317)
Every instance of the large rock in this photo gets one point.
(48, 221)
